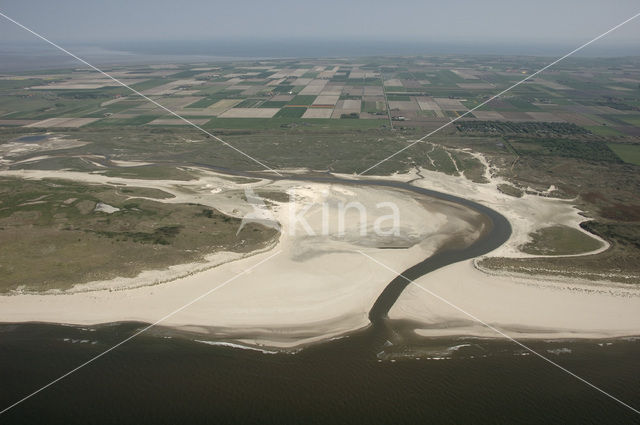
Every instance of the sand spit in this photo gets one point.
(520, 305)
(318, 287)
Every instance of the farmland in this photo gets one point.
(422, 94)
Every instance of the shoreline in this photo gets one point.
(341, 324)
(319, 288)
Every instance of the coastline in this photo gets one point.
(318, 288)
(317, 306)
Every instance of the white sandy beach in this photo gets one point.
(319, 286)
(519, 305)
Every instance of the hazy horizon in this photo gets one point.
(544, 22)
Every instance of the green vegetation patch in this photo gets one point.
(442, 162)
(523, 104)
(632, 119)
(283, 88)
(510, 190)
(20, 83)
(629, 153)
(249, 103)
(57, 233)
(302, 99)
(521, 128)
(204, 102)
(582, 149)
(291, 112)
(560, 240)
(133, 121)
(603, 130)
(471, 167)
(396, 97)
(272, 104)
(618, 263)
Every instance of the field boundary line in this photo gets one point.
(191, 123)
(577, 49)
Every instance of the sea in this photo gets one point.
(380, 375)
(39, 55)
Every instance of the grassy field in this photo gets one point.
(582, 149)
(560, 240)
(510, 190)
(151, 83)
(133, 121)
(601, 130)
(290, 112)
(619, 263)
(627, 152)
(633, 120)
(302, 99)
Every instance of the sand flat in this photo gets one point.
(314, 87)
(316, 287)
(393, 83)
(450, 104)
(222, 105)
(249, 113)
(61, 122)
(177, 121)
(312, 283)
(488, 115)
(467, 74)
(318, 113)
(373, 91)
(326, 100)
(428, 104)
(351, 104)
(520, 307)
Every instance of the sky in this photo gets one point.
(562, 22)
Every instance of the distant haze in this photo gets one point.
(410, 23)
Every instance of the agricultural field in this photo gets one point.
(405, 93)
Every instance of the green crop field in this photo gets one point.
(629, 153)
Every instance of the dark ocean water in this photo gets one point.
(38, 55)
(382, 375)
(360, 379)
